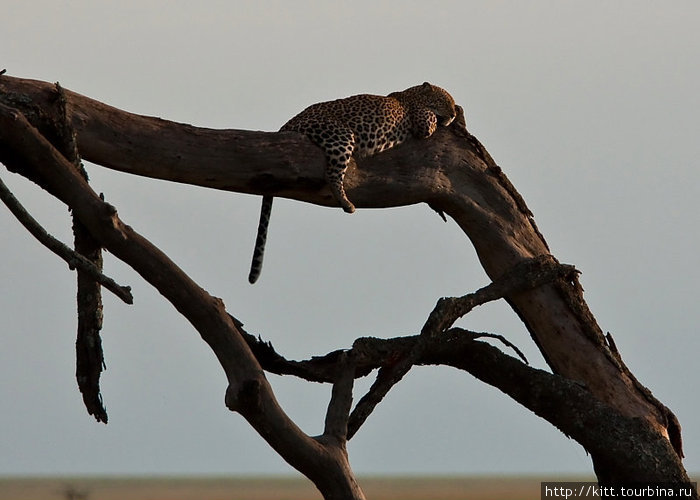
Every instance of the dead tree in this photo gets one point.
(590, 395)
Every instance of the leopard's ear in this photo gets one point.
(426, 85)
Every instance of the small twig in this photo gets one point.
(74, 259)
(475, 335)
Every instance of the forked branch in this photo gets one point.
(249, 393)
(451, 172)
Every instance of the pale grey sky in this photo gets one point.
(591, 108)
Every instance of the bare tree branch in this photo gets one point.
(72, 258)
(388, 376)
(341, 400)
(571, 407)
(500, 338)
(249, 392)
(526, 275)
(89, 355)
(567, 405)
(454, 175)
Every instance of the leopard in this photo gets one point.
(360, 126)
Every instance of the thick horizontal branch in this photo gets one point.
(281, 164)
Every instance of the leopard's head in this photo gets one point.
(436, 99)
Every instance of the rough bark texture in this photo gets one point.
(593, 396)
(89, 356)
(324, 459)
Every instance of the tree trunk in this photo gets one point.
(592, 396)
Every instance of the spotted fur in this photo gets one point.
(357, 126)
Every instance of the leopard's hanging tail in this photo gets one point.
(259, 252)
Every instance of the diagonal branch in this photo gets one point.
(388, 376)
(571, 407)
(526, 275)
(249, 392)
(72, 258)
